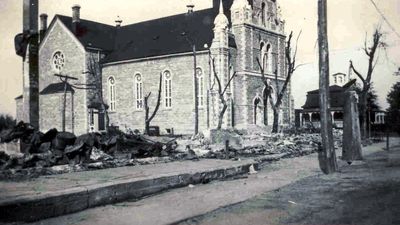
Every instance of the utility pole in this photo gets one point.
(196, 100)
(196, 90)
(326, 155)
(64, 79)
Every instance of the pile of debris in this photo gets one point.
(258, 145)
(63, 148)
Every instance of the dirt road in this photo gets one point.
(362, 194)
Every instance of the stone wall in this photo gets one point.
(51, 109)
(61, 39)
(248, 85)
(180, 116)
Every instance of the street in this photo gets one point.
(291, 191)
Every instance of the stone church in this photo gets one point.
(111, 68)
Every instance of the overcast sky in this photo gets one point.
(349, 23)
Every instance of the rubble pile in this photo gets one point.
(57, 152)
(268, 144)
(92, 150)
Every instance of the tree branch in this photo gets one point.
(158, 99)
(356, 72)
(229, 81)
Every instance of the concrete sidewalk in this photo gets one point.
(191, 201)
(50, 196)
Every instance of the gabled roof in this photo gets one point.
(336, 98)
(164, 36)
(156, 37)
(56, 88)
(92, 34)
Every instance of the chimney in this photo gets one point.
(75, 18)
(190, 7)
(118, 22)
(43, 25)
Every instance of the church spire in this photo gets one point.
(221, 21)
(221, 7)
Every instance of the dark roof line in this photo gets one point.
(155, 37)
(56, 88)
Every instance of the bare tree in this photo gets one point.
(373, 57)
(149, 118)
(221, 92)
(290, 57)
(93, 68)
(326, 155)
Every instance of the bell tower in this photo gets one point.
(241, 12)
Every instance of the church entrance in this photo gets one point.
(97, 120)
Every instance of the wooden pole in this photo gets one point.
(64, 79)
(196, 100)
(327, 156)
(64, 105)
(387, 139)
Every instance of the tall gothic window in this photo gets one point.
(200, 87)
(167, 89)
(269, 60)
(111, 93)
(263, 55)
(139, 91)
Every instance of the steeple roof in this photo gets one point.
(221, 20)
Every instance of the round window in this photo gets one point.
(199, 72)
(111, 80)
(58, 61)
(138, 78)
(167, 74)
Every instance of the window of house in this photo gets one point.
(111, 93)
(139, 91)
(167, 89)
(200, 87)
(58, 61)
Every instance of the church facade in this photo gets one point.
(113, 68)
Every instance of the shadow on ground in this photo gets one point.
(365, 193)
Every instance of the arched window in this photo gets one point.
(266, 57)
(111, 93)
(200, 87)
(269, 59)
(168, 89)
(263, 13)
(262, 55)
(139, 91)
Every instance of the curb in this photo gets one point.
(34, 208)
